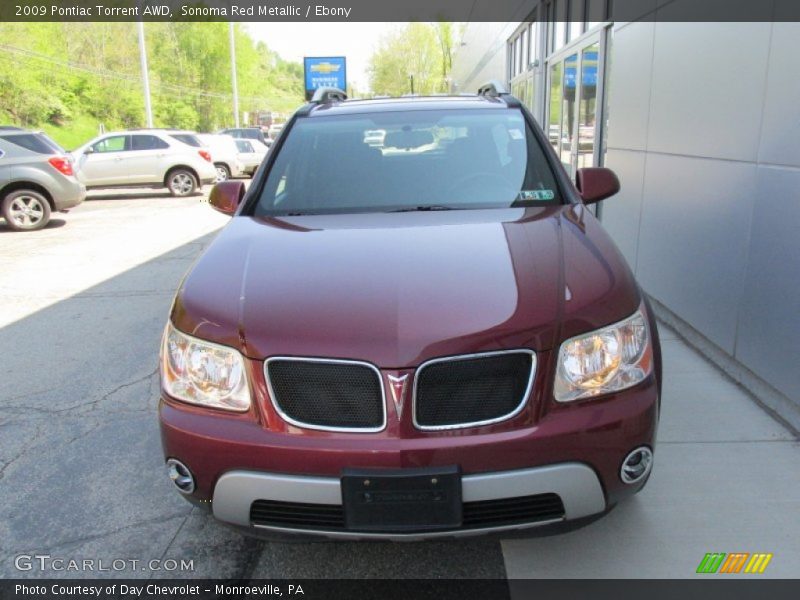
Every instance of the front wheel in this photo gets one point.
(223, 172)
(26, 210)
(181, 182)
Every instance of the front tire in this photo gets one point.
(181, 182)
(223, 172)
(26, 210)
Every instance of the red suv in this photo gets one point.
(431, 336)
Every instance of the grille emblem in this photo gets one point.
(397, 386)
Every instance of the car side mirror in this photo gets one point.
(89, 150)
(596, 183)
(226, 196)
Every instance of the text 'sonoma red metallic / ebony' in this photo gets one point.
(412, 327)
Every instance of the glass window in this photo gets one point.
(523, 53)
(568, 116)
(560, 17)
(244, 146)
(187, 138)
(595, 13)
(147, 142)
(554, 105)
(576, 18)
(587, 112)
(32, 142)
(452, 159)
(115, 143)
(534, 42)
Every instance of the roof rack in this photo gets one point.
(493, 89)
(326, 95)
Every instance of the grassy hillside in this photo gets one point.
(71, 78)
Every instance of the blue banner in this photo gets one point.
(329, 71)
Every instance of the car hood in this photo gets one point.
(397, 289)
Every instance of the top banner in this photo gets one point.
(400, 10)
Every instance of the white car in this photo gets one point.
(251, 154)
(152, 158)
(224, 154)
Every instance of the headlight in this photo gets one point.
(607, 360)
(203, 373)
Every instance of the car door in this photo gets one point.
(143, 160)
(247, 155)
(103, 163)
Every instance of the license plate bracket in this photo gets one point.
(402, 500)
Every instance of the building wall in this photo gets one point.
(481, 56)
(703, 129)
(704, 133)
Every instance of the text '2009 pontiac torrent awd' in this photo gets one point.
(421, 334)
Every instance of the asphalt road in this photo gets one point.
(81, 472)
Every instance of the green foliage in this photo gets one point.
(422, 50)
(71, 78)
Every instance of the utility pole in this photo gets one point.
(148, 109)
(233, 78)
(411, 77)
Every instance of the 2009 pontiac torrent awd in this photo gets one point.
(427, 336)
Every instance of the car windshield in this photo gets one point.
(422, 160)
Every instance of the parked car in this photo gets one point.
(248, 133)
(224, 155)
(251, 155)
(410, 345)
(36, 179)
(151, 158)
(275, 130)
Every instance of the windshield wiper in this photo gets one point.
(427, 207)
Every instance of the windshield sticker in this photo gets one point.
(536, 195)
(515, 134)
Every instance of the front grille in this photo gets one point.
(510, 511)
(476, 515)
(327, 394)
(472, 390)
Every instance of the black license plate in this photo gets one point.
(402, 500)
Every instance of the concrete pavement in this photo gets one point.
(81, 472)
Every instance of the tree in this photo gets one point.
(422, 50)
(70, 78)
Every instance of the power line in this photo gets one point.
(121, 76)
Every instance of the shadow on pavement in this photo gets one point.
(81, 469)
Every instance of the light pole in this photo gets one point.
(148, 109)
(233, 78)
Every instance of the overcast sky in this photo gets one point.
(356, 41)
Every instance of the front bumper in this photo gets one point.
(574, 451)
(577, 485)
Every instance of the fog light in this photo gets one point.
(181, 476)
(636, 465)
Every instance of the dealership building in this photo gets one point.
(701, 122)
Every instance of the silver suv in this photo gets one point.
(151, 158)
(36, 179)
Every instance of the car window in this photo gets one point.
(30, 141)
(115, 143)
(244, 146)
(477, 158)
(147, 142)
(187, 138)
